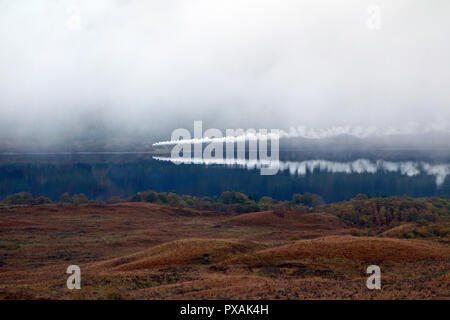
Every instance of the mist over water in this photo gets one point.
(359, 109)
(224, 149)
(139, 69)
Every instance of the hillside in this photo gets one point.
(145, 250)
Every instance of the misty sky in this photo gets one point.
(153, 66)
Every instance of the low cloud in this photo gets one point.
(148, 67)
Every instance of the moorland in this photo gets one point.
(164, 246)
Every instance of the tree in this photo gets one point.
(308, 199)
(65, 198)
(20, 198)
(361, 196)
(150, 196)
(43, 200)
(80, 199)
(174, 200)
(233, 197)
(266, 203)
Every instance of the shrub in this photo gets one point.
(162, 198)
(232, 197)
(361, 196)
(43, 200)
(150, 196)
(174, 200)
(188, 200)
(136, 198)
(266, 203)
(411, 215)
(20, 198)
(281, 206)
(307, 199)
(65, 198)
(254, 197)
(80, 199)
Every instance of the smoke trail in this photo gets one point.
(227, 139)
(317, 134)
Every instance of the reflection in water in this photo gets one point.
(408, 168)
(104, 176)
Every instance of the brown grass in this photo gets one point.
(180, 253)
(288, 220)
(364, 249)
(147, 251)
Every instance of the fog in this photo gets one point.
(144, 68)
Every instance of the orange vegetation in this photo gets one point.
(150, 251)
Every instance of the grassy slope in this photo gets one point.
(147, 251)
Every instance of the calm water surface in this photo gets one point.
(103, 176)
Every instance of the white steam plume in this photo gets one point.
(311, 133)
